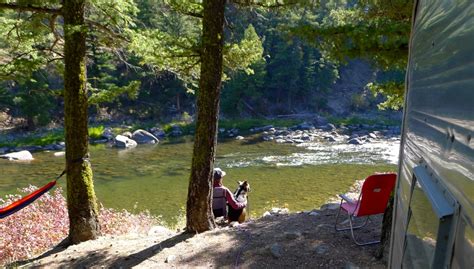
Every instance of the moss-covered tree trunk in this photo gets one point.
(199, 211)
(81, 200)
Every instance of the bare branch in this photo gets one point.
(55, 59)
(31, 8)
(125, 62)
(192, 14)
(107, 30)
(248, 3)
(52, 25)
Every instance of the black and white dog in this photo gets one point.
(240, 196)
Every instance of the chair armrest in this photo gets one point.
(347, 199)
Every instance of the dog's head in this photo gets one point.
(244, 186)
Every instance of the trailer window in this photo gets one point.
(464, 246)
(421, 234)
(430, 221)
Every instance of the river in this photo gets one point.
(155, 177)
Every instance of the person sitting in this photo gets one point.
(222, 196)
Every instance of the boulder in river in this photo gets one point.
(124, 142)
(158, 132)
(262, 129)
(305, 126)
(329, 127)
(372, 135)
(330, 138)
(108, 134)
(59, 153)
(144, 137)
(23, 155)
(320, 120)
(127, 134)
(176, 131)
(355, 141)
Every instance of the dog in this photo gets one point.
(240, 196)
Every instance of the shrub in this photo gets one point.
(96, 132)
(44, 223)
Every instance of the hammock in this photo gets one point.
(25, 201)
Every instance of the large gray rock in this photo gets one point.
(305, 126)
(320, 120)
(176, 131)
(355, 141)
(322, 249)
(23, 155)
(144, 137)
(124, 142)
(329, 127)
(127, 134)
(330, 138)
(29, 148)
(372, 135)
(108, 134)
(261, 129)
(276, 250)
(158, 132)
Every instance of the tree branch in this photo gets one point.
(247, 3)
(31, 8)
(192, 14)
(106, 30)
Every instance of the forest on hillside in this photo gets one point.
(143, 59)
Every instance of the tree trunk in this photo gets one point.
(81, 200)
(199, 216)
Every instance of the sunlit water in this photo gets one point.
(155, 177)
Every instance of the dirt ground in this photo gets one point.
(279, 240)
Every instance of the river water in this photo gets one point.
(155, 177)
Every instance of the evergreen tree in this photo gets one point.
(81, 200)
(374, 30)
(199, 217)
(35, 50)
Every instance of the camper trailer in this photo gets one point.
(433, 223)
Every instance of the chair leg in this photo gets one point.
(353, 236)
(350, 222)
(337, 218)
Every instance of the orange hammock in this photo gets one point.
(30, 198)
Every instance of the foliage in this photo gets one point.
(144, 56)
(112, 92)
(96, 132)
(34, 100)
(41, 139)
(240, 56)
(178, 52)
(246, 124)
(47, 137)
(35, 41)
(356, 120)
(392, 90)
(44, 223)
(374, 30)
(292, 77)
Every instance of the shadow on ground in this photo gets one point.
(299, 240)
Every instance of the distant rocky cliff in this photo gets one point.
(349, 93)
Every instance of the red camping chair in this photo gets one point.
(372, 200)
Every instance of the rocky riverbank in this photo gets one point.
(317, 129)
